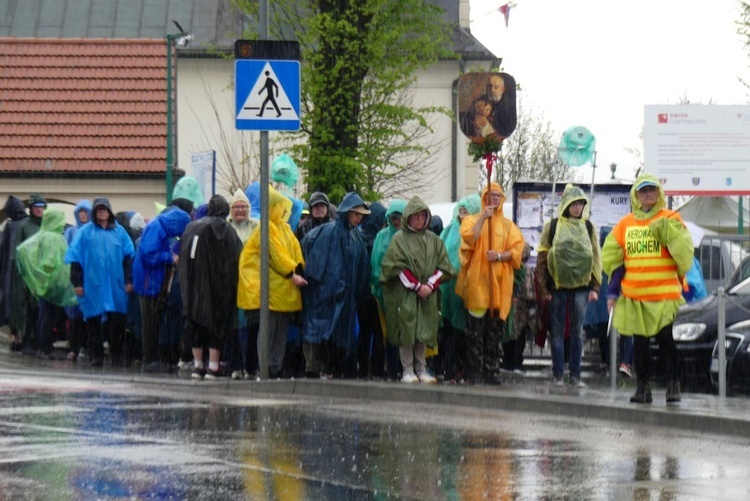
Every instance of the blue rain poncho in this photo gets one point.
(337, 270)
(100, 252)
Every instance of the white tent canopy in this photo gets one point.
(719, 214)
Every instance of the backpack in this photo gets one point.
(569, 263)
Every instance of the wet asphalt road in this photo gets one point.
(84, 439)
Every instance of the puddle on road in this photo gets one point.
(88, 445)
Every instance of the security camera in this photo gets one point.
(183, 40)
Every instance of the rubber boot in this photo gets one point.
(642, 393)
(673, 392)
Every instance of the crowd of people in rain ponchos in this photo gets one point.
(358, 290)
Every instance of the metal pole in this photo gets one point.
(593, 176)
(613, 337)
(170, 152)
(721, 342)
(263, 331)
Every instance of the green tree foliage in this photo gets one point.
(360, 130)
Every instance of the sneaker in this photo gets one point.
(213, 374)
(237, 375)
(409, 378)
(519, 372)
(576, 381)
(427, 378)
(624, 369)
(558, 381)
(198, 373)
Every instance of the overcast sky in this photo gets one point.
(596, 63)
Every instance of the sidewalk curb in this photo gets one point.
(730, 418)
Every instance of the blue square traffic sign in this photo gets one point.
(267, 94)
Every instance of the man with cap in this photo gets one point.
(24, 306)
(569, 275)
(337, 271)
(655, 250)
(101, 261)
(319, 214)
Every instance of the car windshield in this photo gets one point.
(741, 289)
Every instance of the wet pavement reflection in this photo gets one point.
(71, 440)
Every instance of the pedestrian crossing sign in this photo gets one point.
(267, 95)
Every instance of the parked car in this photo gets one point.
(719, 257)
(695, 332)
(738, 359)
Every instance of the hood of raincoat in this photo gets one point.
(84, 204)
(572, 194)
(239, 196)
(218, 207)
(350, 201)
(14, 208)
(636, 205)
(472, 203)
(253, 195)
(174, 221)
(415, 205)
(53, 220)
(486, 195)
(188, 187)
(396, 206)
(105, 202)
(373, 223)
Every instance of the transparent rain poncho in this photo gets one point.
(284, 170)
(188, 188)
(571, 260)
(40, 261)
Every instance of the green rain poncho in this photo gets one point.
(573, 256)
(452, 307)
(40, 261)
(410, 318)
(646, 318)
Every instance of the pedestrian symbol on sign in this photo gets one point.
(267, 94)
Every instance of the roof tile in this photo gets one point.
(83, 105)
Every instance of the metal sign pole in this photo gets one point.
(721, 342)
(263, 331)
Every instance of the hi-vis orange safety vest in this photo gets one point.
(650, 271)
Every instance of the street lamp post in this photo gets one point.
(181, 39)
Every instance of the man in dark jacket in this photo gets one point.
(337, 270)
(319, 214)
(208, 266)
(152, 277)
(16, 213)
(24, 306)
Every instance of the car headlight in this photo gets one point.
(687, 332)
